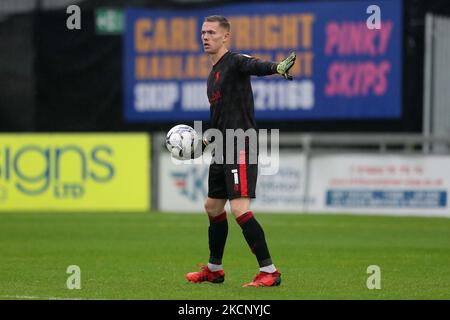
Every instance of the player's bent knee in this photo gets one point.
(208, 207)
(239, 206)
(212, 208)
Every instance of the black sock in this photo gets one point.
(256, 240)
(217, 233)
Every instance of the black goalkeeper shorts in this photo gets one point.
(232, 181)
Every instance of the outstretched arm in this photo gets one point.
(253, 66)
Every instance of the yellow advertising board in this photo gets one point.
(75, 172)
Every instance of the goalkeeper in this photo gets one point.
(231, 105)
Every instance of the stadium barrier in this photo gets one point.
(75, 172)
(387, 174)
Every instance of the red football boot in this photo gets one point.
(206, 275)
(264, 279)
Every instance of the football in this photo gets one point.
(181, 141)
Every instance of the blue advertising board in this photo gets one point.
(344, 69)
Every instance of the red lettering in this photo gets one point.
(357, 79)
(354, 38)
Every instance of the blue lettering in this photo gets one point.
(34, 168)
(102, 162)
(58, 155)
(43, 176)
(6, 166)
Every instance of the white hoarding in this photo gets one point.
(385, 184)
(284, 191)
(183, 188)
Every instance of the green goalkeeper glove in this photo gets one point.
(284, 66)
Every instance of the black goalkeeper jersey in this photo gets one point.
(230, 93)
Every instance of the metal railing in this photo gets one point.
(368, 142)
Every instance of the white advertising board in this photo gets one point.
(183, 188)
(338, 183)
(385, 184)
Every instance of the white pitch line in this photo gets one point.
(36, 297)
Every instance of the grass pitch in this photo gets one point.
(146, 256)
